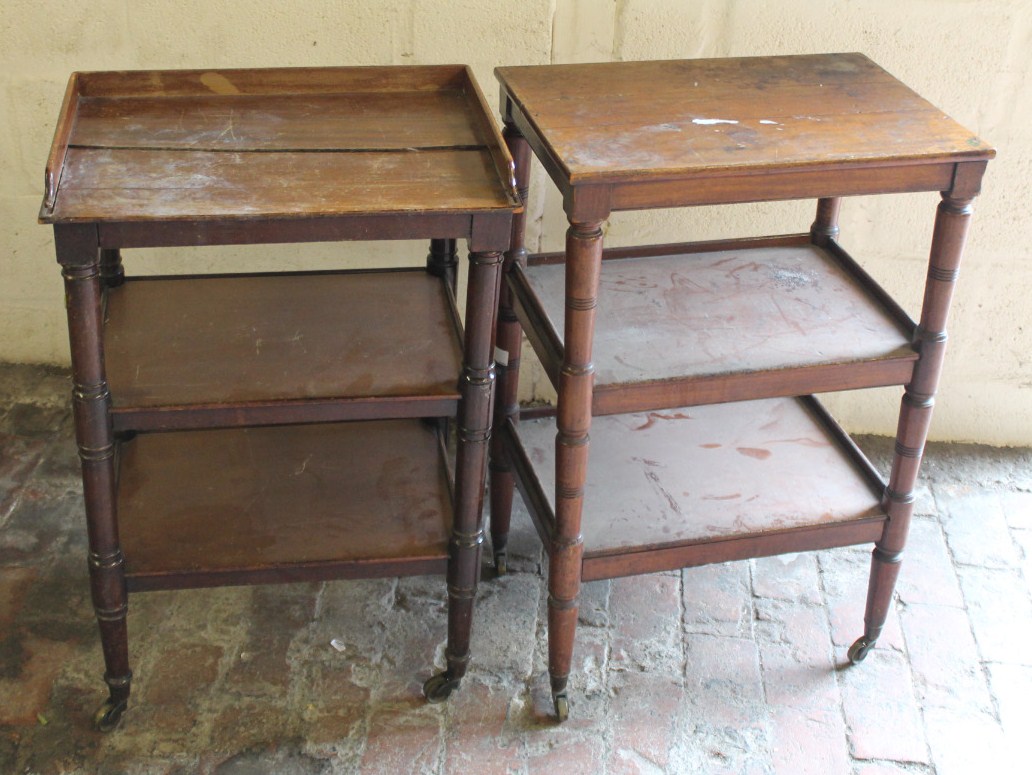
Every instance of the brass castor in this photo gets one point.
(501, 564)
(858, 651)
(109, 715)
(562, 706)
(439, 687)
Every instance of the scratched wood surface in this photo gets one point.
(233, 340)
(262, 499)
(234, 144)
(622, 121)
(133, 185)
(702, 474)
(318, 122)
(694, 315)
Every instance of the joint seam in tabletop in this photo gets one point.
(242, 149)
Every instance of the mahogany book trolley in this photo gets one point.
(697, 360)
(270, 427)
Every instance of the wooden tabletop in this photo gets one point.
(244, 144)
(633, 121)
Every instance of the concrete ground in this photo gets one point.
(734, 668)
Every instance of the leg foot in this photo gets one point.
(859, 650)
(109, 715)
(502, 487)
(439, 687)
(562, 706)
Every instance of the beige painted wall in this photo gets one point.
(969, 57)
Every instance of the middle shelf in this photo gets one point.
(231, 350)
(702, 323)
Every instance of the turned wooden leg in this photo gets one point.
(474, 434)
(508, 343)
(583, 267)
(443, 261)
(825, 226)
(951, 225)
(78, 255)
(111, 271)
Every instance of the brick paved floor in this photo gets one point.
(733, 668)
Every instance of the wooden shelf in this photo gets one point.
(682, 325)
(189, 352)
(787, 119)
(259, 505)
(707, 484)
(218, 145)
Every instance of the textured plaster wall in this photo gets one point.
(969, 57)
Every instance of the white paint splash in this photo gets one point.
(712, 121)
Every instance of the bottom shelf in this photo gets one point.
(285, 503)
(705, 484)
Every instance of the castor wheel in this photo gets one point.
(501, 564)
(109, 715)
(858, 651)
(439, 687)
(562, 707)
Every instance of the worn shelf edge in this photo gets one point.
(272, 81)
(492, 138)
(284, 503)
(200, 417)
(811, 167)
(859, 521)
(59, 145)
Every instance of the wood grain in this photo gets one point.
(356, 122)
(134, 184)
(271, 81)
(234, 145)
(631, 120)
(279, 503)
(177, 343)
(699, 321)
(703, 474)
